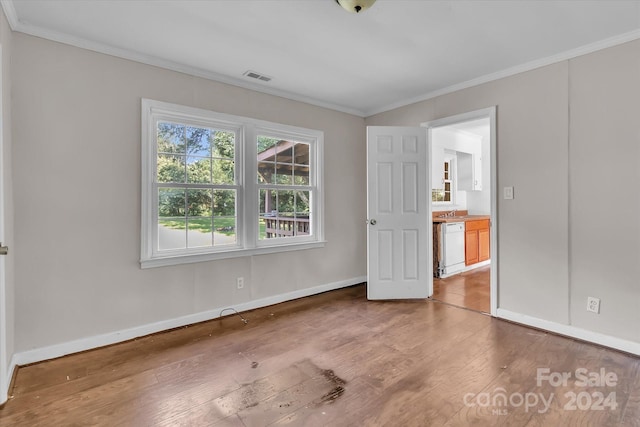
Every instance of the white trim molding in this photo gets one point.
(11, 370)
(571, 331)
(83, 344)
(489, 113)
(522, 68)
(24, 27)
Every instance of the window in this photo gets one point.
(284, 187)
(445, 195)
(217, 186)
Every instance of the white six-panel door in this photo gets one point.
(399, 264)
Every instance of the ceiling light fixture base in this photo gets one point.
(355, 6)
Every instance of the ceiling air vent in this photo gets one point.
(258, 76)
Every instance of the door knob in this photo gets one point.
(373, 222)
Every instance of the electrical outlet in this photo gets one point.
(593, 305)
(240, 282)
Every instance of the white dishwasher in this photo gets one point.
(453, 247)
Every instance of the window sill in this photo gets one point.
(163, 261)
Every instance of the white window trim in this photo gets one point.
(246, 170)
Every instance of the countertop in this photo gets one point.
(462, 218)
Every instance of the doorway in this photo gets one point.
(463, 197)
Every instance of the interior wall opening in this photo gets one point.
(462, 212)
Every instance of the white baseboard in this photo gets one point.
(572, 331)
(83, 344)
(476, 265)
(467, 268)
(11, 372)
(4, 393)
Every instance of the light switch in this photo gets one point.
(508, 193)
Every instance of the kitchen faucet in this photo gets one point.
(449, 214)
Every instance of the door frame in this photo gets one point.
(484, 113)
(5, 369)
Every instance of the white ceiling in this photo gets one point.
(397, 52)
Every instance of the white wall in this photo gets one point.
(560, 132)
(604, 164)
(76, 120)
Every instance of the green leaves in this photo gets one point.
(195, 155)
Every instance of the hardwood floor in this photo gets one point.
(333, 359)
(469, 289)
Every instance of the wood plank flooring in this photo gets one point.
(470, 289)
(333, 359)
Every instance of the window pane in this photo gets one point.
(171, 168)
(199, 170)
(198, 142)
(266, 159)
(301, 167)
(172, 233)
(267, 202)
(199, 233)
(171, 138)
(223, 144)
(199, 218)
(301, 176)
(224, 203)
(171, 202)
(266, 172)
(268, 214)
(224, 217)
(223, 171)
(303, 203)
(437, 195)
(282, 162)
(284, 174)
(266, 142)
(225, 231)
(199, 202)
(286, 203)
(303, 211)
(292, 217)
(171, 221)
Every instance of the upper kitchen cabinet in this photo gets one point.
(468, 149)
(470, 171)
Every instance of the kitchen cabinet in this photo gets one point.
(477, 247)
(471, 247)
(484, 248)
(469, 171)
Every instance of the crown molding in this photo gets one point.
(19, 26)
(23, 27)
(564, 56)
(10, 13)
